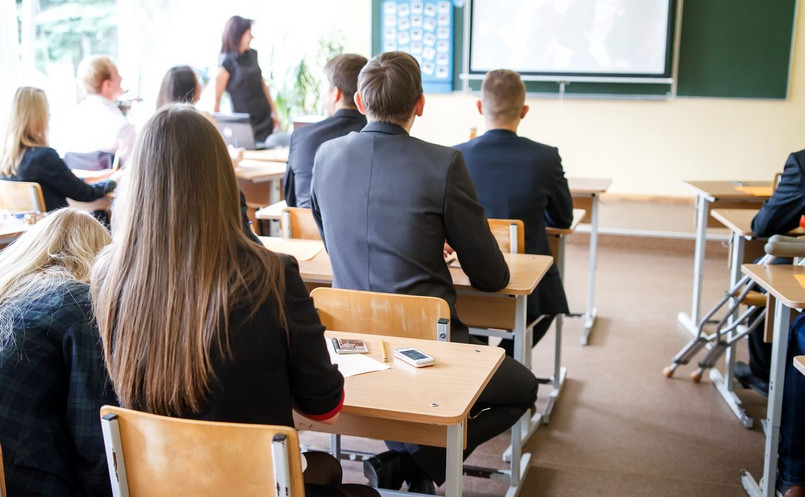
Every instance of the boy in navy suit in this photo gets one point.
(517, 178)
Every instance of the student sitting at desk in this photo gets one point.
(779, 215)
(52, 378)
(517, 178)
(197, 321)
(343, 117)
(27, 157)
(385, 203)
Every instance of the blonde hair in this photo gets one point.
(178, 264)
(27, 127)
(60, 247)
(502, 95)
(93, 71)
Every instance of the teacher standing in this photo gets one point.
(240, 75)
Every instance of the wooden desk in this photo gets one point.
(278, 154)
(585, 193)
(272, 212)
(709, 193)
(426, 406)
(10, 229)
(260, 171)
(505, 309)
(799, 363)
(739, 221)
(785, 293)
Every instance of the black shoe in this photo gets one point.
(384, 471)
(421, 484)
(743, 373)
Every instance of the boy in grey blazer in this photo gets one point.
(385, 204)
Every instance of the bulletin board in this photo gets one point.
(423, 28)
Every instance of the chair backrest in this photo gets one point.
(159, 456)
(410, 316)
(298, 222)
(2, 476)
(22, 196)
(510, 234)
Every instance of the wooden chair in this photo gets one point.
(159, 456)
(509, 233)
(2, 476)
(22, 196)
(298, 222)
(410, 316)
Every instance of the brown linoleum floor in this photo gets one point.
(620, 428)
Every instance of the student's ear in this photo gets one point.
(524, 111)
(420, 105)
(480, 107)
(359, 103)
(338, 94)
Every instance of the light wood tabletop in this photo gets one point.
(90, 176)
(739, 221)
(578, 215)
(301, 250)
(799, 363)
(278, 154)
(781, 281)
(260, 171)
(588, 186)
(11, 228)
(728, 189)
(271, 212)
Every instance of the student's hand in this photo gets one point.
(448, 250)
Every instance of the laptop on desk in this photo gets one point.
(237, 130)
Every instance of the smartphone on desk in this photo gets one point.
(414, 357)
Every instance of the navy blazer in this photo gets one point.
(386, 202)
(44, 166)
(304, 143)
(517, 178)
(781, 213)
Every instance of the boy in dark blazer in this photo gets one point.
(385, 204)
(341, 75)
(517, 178)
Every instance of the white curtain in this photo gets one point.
(9, 54)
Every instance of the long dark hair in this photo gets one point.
(178, 85)
(233, 33)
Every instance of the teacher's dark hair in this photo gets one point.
(179, 85)
(233, 33)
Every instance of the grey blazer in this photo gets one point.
(386, 202)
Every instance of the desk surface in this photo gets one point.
(92, 176)
(588, 186)
(740, 221)
(799, 363)
(279, 154)
(440, 394)
(12, 228)
(258, 171)
(727, 189)
(578, 215)
(273, 211)
(526, 269)
(780, 281)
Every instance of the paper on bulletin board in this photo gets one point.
(424, 29)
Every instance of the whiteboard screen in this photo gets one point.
(628, 38)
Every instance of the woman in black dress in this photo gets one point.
(240, 75)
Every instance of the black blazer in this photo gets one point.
(386, 202)
(517, 178)
(44, 166)
(304, 143)
(780, 214)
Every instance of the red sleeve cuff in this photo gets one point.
(327, 415)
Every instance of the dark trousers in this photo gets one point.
(511, 391)
(791, 464)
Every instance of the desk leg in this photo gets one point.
(454, 469)
(782, 322)
(520, 335)
(590, 313)
(691, 322)
(725, 385)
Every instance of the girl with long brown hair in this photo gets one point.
(196, 319)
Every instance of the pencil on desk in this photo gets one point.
(383, 350)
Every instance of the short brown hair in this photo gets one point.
(390, 85)
(93, 71)
(502, 95)
(342, 73)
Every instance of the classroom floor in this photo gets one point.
(620, 427)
